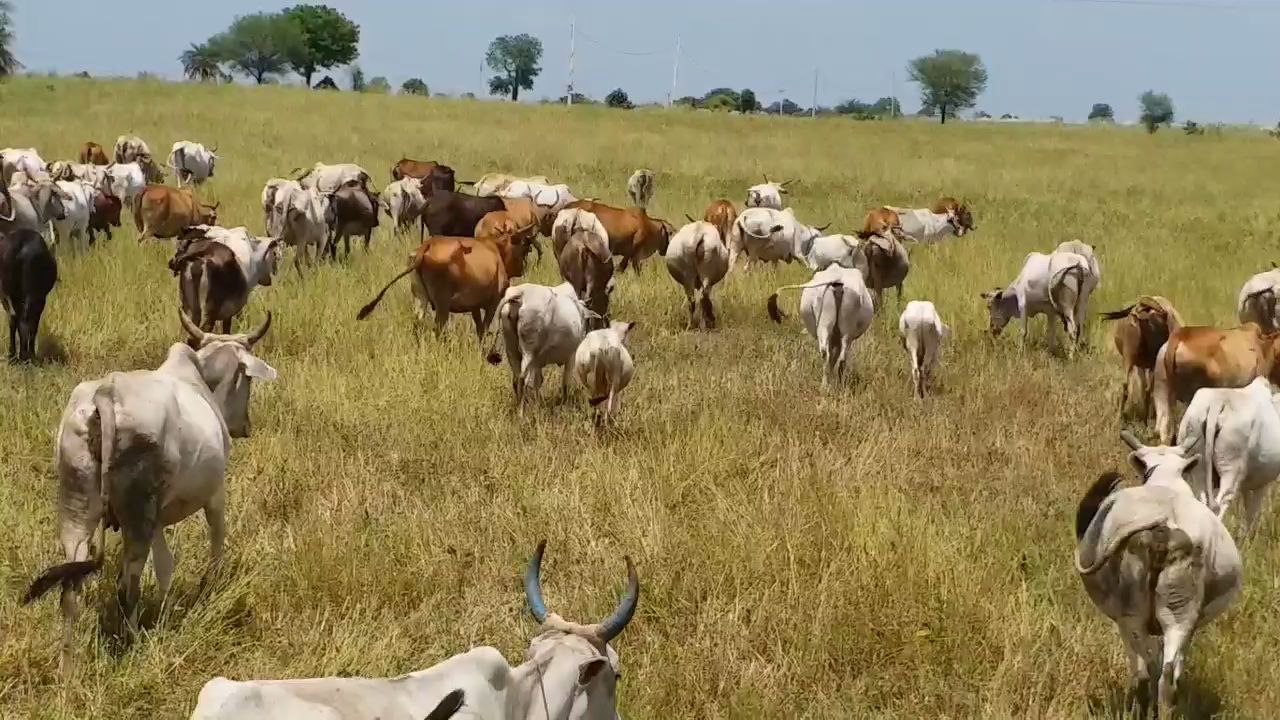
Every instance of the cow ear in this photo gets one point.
(1138, 464)
(590, 669)
(255, 367)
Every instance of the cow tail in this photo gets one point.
(508, 311)
(837, 292)
(609, 358)
(373, 304)
(1117, 314)
(1163, 544)
(69, 574)
(1210, 437)
(1054, 281)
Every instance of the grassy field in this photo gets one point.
(849, 553)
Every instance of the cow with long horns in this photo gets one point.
(570, 672)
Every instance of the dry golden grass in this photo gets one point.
(802, 553)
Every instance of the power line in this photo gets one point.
(633, 53)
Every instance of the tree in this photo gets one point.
(357, 79)
(687, 101)
(202, 64)
(258, 45)
(8, 61)
(747, 102)
(1157, 110)
(378, 85)
(326, 83)
(515, 59)
(786, 107)
(414, 86)
(618, 99)
(949, 80)
(1103, 112)
(329, 39)
(578, 99)
(719, 103)
(730, 93)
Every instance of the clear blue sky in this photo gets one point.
(1218, 59)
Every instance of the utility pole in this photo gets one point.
(568, 98)
(813, 111)
(482, 64)
(675, 74)
(893, 94)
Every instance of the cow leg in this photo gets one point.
(566, 372)
(162, 561)
(215, 511)
(1137, 646)
(13, 332)
(32, 309)
(708, 311)
(1254, 499)
(129, 588)
(1228, 485)
(622, 266)
(442, 317)
(1124, 391)
(842, 361)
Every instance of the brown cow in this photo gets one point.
(948, 204)
(91, 153)
(723, 214)
(163, 212)
(524, 211)
(883, 222)
(104, 216)
(1143, 329)
(633, 235)
(581, 247)
(1201, 357)
(460, 275)
(430, 172)
(506, 226)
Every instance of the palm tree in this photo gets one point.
(8, 62)
(200, 63)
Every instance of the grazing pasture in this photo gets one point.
(802, 553)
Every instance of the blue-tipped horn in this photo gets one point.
(617, 622)
(533, 584)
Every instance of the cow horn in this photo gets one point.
(785, 183)
(1130, 439)
(690, 217)
(533, 584)
(613, 626)
(822, 228)
(196, 333)
(766, 178)
(261, 332)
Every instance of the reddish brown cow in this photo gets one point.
(883, 222)
(723, 214)
(430, 172)
(162, 211)
(633, 235)
(1143, 329)
(91, 153)
(1201, 357)
(104, 216)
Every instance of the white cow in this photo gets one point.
(144, 450)
(772, 235)
(640, 188)
(1237, 431)
(836, 309)
(269, 190)
(403, 202)
(192, 162)
(125, 181)
(768, 195)
(494, 183)
(604, 367)
(297, 217)
(926, 226)
(25, 160)
(66, 170)
(1155, 560)
(570, 673)
(328, 178)
(1257, 300)
(1054, 285)
(552, 198)
(540, 326)
(78, 197)
(32, 205)
(698, 260)
(922, 333)
(843, 250)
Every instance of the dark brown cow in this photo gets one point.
(456, 214)
(163, 212)
(104, 216)
(352, 210)
(1143, 329)
(28, 273)
(633, 235)
(91, 153)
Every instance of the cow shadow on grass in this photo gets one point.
(1122, 702)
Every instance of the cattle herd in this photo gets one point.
(140, 450)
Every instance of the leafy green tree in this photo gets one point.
(1157, 110)
(202, 64)
(949, 80)
(687, 101)
(414, 86)
(8, 61)
(357, 79)
(729, 93)
(886, 106)
(747, 102)
(515, 58)
(258, 45)
(618, 99)
(329, 39)
(719, 102)
(378, 85)
(1103, 112)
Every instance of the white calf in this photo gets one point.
(698, 261)
(1156, 561)
(843, 250)
(922, 334)
(1237, 432)
(402, 201)
(768, 195)
(603, 365)
(836, 309)
(77, 204)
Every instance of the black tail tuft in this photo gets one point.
(597, 400)
(1089, 505)
(775, 313)
(447, 706)
(493, 358)
(1117, 314)
(63, 574)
